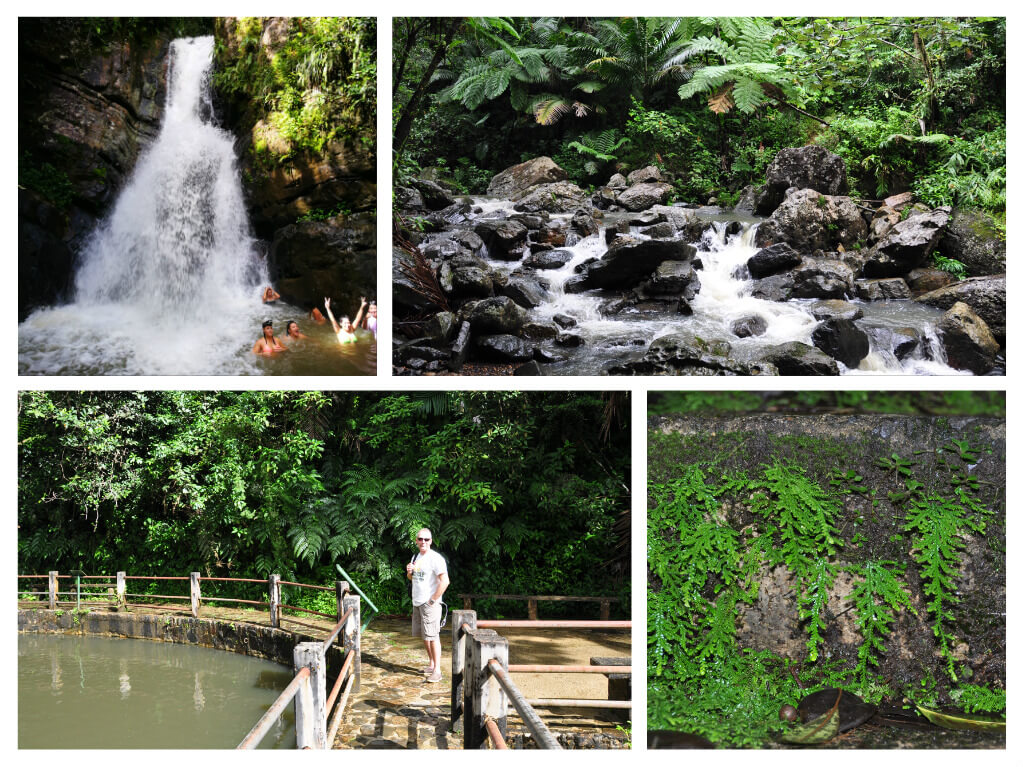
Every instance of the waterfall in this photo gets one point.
(170, 282)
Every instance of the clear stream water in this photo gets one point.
(98, 692)
(723, 298)
(170, 282)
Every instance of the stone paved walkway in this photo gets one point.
(396, 708)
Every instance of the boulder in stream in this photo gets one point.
(651, 173)
(559, 197)
(985, 295)
(806, 167)
(886, 289)
(907, 245)
(836, 309)
(821, 278)
(504, 348)
(969, 344)
(808, 220)
(628, 261)
(750, 325)
(843, 340)
(773, 259)
(798, 359)
(974, 238)
(499, 315)
(503, 237)
(643, 196)
(516, 181)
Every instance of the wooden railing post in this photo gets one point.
(605, 609)
(275, 601)
(122, 589)
(196, 595)
(483, 696)
(458, 617)
(311, 700)
(352, 633)
(53, 589)
(340, 591)
(531, 607)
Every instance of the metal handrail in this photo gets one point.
(495, 735)
(337, 629)
(493, 624)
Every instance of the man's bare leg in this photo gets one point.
(428, 645)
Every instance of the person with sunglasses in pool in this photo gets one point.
(428, 573)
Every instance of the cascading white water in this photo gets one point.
(724, 297)
(170, 282)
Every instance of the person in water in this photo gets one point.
(270, 295)
(346, 328)
(370, 321)
(317, 316)
(269, 343)
(292, 331)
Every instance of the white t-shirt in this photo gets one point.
(426, 576)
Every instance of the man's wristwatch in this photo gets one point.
(430, 603)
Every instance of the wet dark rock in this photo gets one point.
(773, 259)
(662, 230)
(546, 356)
(852, 711)
(808, 220)
(500, 315)
(45, 256)
(460, 348)
(648, 217)
(751, 325)
(564, 321)
(604, 198)
(441, 327)
(584, 224)
(524, 291)
(570, 340)
(901, 341)
(984, 295)
(969, 344)
(515, 181)
(843, 340)
(552, 233)
(807, 167)
(559, 197)
(924, 280)
(974, 238)
(614, 230)
(689, 354)
(908, 245)
(504, 348)
(617, 181)
(538, 331)
(439, 248)
(532, 221)
(799, 359)
(531, 368)
(836, 309)
(457, 214)
(502, 237)
(551, 259)
(466, 277)
(627, 262)
(643, 196)
(645, 175)
(422, 349)
(435, 197)
(408, 198)
(821, 279)
(887, 289)
(674, 278)
(777, 287)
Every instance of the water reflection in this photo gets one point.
(142, 694)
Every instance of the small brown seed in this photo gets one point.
(788, 713)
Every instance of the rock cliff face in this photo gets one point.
(86, 110)
(308, 260)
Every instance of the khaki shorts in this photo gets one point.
(426, 621)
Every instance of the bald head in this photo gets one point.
(424, 539)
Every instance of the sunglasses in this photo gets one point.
(423, 539)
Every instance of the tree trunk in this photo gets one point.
(411, 110)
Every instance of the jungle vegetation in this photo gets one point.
(909, 103)
(525, 492)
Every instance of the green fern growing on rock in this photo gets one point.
(876, 599)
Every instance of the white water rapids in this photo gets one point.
(723, 298)
(170, 282)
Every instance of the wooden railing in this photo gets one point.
(315, 727)
(481, 685)
(532, 602)
(117, 594)
(313, 705)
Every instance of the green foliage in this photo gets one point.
(878, 595)
(520, 489)
(321, 214)
(711, 533)
(42, 177)
(974, 698)
(599, 149)
(956, 268)
(316, 86)
(908, 403)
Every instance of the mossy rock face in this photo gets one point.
(870, 523)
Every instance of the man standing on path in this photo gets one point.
(429, 575)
